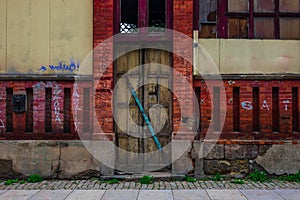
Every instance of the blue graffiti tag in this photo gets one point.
(61, 67)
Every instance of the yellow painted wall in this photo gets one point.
(248, 56)
(36, 33)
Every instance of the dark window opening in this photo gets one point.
(133, 14)
(236, 109)
(86, 110)
(48, 110)
(9, 110)
(157, 15)
(255, 100)
(275, 109)
(295, 107)
(67, 110)
(29, 110)
(129, 16)
(216, 109)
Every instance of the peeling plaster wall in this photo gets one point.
(233, 56)
(37, 33)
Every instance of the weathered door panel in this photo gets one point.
(156, 100)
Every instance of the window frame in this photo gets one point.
(224, 14)
(143, 16)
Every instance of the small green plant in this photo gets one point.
(258, 176)
(34, 178)
(22, 181)
(291, 177)
(11, 181)
(146, 179)
(217, 177)
(189, 179)
(112, 181)
(238, 181)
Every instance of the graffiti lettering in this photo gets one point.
(265, 105)
(2, 125)
(286, 102)
(56, 104)
(76, 107)
(247, 105)
(61, 67)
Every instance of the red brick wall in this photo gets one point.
(246, 133)
(183, 23)
(103, 29)
(57, 110)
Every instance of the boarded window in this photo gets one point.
(264, 28)
(264, 6)
(238, 6)
(290, 28)
(208, 18)
(48, 110)
(289, 6)
(29, 110)
(237, 28)
(9, 110)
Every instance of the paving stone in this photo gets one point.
(18, 194)
(190, 195)
(86, 194)
(51, 194)
(224, 195)
(261, 195)
(289, 194)
(155, 194)
(116, 194)
(2, 191)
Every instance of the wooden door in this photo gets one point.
(157, 102)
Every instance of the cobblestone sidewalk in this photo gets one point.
(157, 185)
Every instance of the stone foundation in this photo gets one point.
(70, 159)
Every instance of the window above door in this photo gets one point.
(133, 14)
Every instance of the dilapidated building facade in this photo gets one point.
(220, 78)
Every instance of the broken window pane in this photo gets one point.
(238, 28)
(238, 6)
(208, 18)
(264, 28)
(157, 15)
(264, 6)
(129, 16)
(290, 28)
(289, 6)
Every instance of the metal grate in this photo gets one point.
(128, 28)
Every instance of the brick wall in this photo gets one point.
(269, 115)
(67, 104)
(103, 67)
